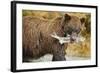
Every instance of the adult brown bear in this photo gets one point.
(37, 40)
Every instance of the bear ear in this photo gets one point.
(67, 17)
(82, 20)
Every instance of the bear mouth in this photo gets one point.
(74, 37)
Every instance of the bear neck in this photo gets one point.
(57, 28)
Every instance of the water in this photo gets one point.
(48, 57)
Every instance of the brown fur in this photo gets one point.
(37, 40)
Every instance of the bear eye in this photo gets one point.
(62, 27)
(77, 31)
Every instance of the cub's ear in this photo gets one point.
(67, 17)
(82, 20)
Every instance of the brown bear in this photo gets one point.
(37, 40)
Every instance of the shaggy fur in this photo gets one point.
(37, 40)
